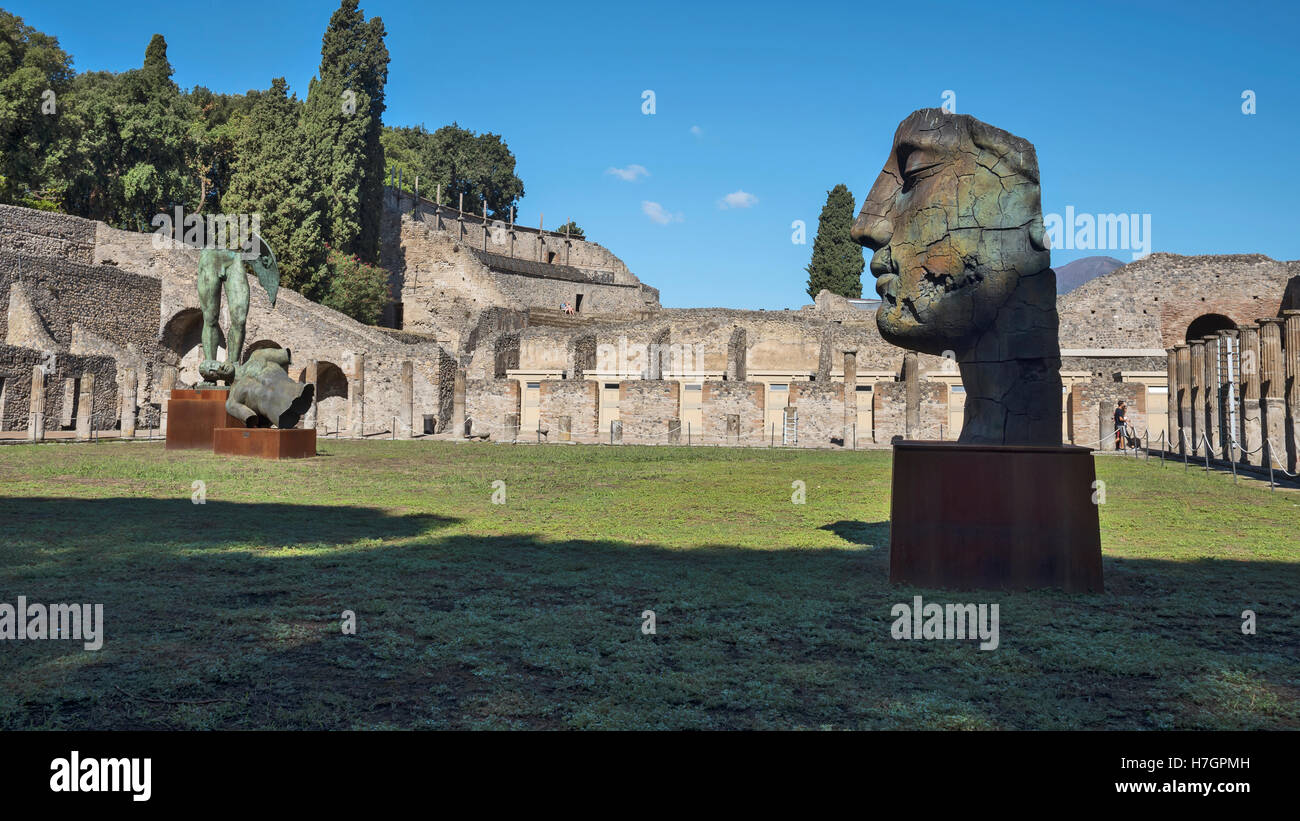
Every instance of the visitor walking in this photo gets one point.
(1121, 423)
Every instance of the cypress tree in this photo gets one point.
(342, 125)
(836, 259)
(272, 179)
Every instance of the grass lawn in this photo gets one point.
(528, 614)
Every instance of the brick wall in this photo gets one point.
(646, 408)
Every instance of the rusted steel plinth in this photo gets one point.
(192, 416)
(266, 443)
(1002, 517)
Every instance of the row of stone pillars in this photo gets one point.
(1240, 390)
(129, 408)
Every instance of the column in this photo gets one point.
(128, 403)
(86, 407)
(1181, 435)
(850, 397)
(1249, 438)
(357, 396)
(311, 375)
(1227, 390)
(1291, 329)
(1197, 428)
(36, 418)
(912, 394)
(408, 400)
(458, 404)
(1171, 403)
(1272, 390)
(1211, 394)
(168, 384)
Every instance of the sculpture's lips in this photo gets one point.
(883, 283)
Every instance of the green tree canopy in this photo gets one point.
(479, 166)
(836, 259)
(573, 230)
(271, 179)
(35, 141)
(341, 123)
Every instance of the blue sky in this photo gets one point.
(1131, 110)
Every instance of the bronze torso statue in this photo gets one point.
(962, 266)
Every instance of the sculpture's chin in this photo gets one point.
(925, 326)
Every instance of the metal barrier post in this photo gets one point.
(1268, 457)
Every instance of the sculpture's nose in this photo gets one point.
(871, 230)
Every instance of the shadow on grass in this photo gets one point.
(867, 534)
(121, 521)
(465, 631)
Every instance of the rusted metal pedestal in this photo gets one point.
(267, 443)
(192, 416)
(1004, 517)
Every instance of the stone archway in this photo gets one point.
(182, 338)
(1207, 324)
(259, 345)
(331, 395)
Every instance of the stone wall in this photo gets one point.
(446, 269)
(569, 409)
(650, 411)
(1149, 303)
(1091, 410)
(732, 413)
(889, 412)
(492, 407)
(121, 307)
(16, 366)
(821, 413)
(43, 233)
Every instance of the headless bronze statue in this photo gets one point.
(261, 392)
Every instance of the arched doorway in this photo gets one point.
(331, 395)
(1207, 324)
(259, 345)
(182, 338)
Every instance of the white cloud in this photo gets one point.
(629, 174)
(697, 131)
(658, 213)
(738, 199)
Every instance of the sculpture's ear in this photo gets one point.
(1038, 234)
(266, 269)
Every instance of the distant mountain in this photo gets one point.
(1073, 274)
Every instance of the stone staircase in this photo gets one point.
(554, 318)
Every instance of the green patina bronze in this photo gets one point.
(963, 270)
(261, 391)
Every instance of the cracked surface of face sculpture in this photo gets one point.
(954, 219)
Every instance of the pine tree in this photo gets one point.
(341, 127)
(837, 261)
(272, 179)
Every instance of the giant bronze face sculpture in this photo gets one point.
(963, 269)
